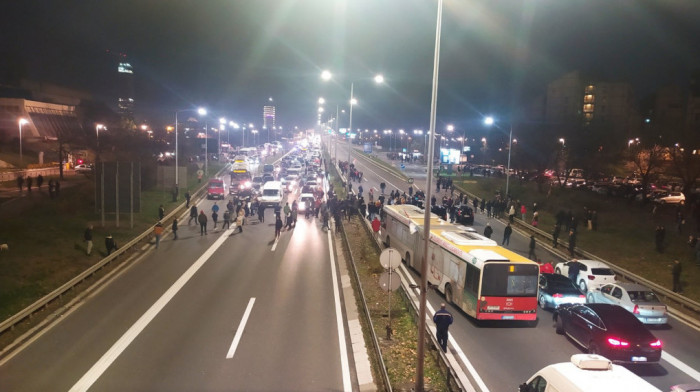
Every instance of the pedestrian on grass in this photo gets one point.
(110, 244)
(659, 236)
(88, 239)
(442, 319)
(202, 219)
(161, 212)
(193, 215)
(174, 228)
(506, 235)
(158, 232)
(676, 273)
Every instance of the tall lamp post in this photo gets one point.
(97, 136)
(22, 121)
(201, 112)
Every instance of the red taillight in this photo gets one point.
(591, 277)
(557, 295)
(656, 344)
(617, 342)
(636, 309)
(582, 296)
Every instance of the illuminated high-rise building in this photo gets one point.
(125, 89)
(268, 116)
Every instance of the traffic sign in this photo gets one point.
(389, 283)
(390, 258)
(410, 180)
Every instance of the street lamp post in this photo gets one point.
(510, 147)
(97, 136)
(22, 121)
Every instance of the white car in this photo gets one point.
(84, 168)
(638, 299)
(591, 274)
(306, 201)
(672, 198)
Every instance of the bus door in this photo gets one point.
(435, 264)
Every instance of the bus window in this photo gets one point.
(504, 279)
(471, 283)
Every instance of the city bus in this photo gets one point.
(486, 281)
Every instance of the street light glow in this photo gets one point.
(321, 101)
(202, 111)
(222, 120)
(326, 75)
(488, 120)
(379, 79)
(450, 127)
(353, 101)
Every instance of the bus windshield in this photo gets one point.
(509, 280)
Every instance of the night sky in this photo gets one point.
(231, 55)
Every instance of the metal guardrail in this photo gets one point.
(45, 171)
(29, 311)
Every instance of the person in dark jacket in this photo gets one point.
(488, 230)
(193, 215)
(278, 226)
(442, 319)
(572, 243)
(88, 238)
(202, 219)
(676, 273)
(161, 212)
(531, 254)
(110, 244)
(506, 235)
(574, 269)
(174, 228)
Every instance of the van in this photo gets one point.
(272, 193)
(586, 373)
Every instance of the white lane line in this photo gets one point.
(347, 386)
(239, 332)
(113, 353)
(680, 365)
(274, 246)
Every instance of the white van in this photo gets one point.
(272, 193)
(586, 373)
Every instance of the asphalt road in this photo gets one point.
(222, 311)
(505, 355)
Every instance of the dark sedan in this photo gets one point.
(465, 215)
(556, 290)
(608, 330)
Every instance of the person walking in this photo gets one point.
(261, 212)
(227, 221)
(531, 254)
(193, 215)
(278, 226)
(523, 212)
(506, 235)
(20, 182)
(202, 219)
(240, 220)
(488, 230)
(215, 217)
(572, 243)
(158, 231)
(442, 319)
(174, 228)
(187, 199)
(110, 244)
(287, 214)
(29, 183)
(39, 181)
(161, 212)
(376, 226)
(88, 239)
(676, 273)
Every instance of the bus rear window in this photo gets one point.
(512, 280)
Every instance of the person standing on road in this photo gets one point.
(278, 226)
(193, 215)
(442, 319)
(572, 242)
(174, 228)
(187, 199)
(531, 254)
(676, 273)
(261, 212)
(39, 181)
(20, 182)
(227, 221)
(240, 219)
(506, 235)
(158, 231)
(88, 239)
(202, 219)
(29, 183)
(488, 230)
(215, 217)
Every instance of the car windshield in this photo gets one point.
(643, 296)
(602, 271)
(271, 192)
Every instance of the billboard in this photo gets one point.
(449, 156)
(121, 182)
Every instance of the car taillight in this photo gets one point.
(656, 344)
(636, 309)
(617, 342)
(591, 277)
(557, 295)
(582, 296)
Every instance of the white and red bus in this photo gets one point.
(486, 281)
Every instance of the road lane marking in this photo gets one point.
(113, 353)
(680, 365)
(274, 246)
(347, 386)
(239, 332)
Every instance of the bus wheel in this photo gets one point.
(542, 302)
(448, 294)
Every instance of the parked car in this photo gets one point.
(592, 273)
(556, 290)
(638, 299)
(608, 330)
(672, 198)
(84, 168)
(465, 215)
